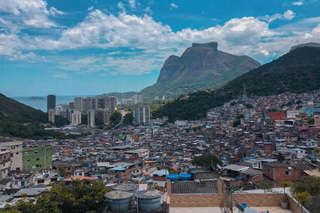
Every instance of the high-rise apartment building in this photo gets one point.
(108, 102)
(51, 102)
(76, 117)
(102, 116)
(91, 118)
(141, 114)
(51, 115)
(93, 103)
(58, 109)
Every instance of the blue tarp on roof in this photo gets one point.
(118, 169)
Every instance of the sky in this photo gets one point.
(91, 47)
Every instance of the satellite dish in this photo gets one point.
(238, 205)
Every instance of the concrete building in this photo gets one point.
(76, 117)
(15, 147)
(58, 109)
(108, 102)
(5, 163)
(91, 118)
(51, 115)
(51, 102)
(37, 158)
(141, 114)
(102, 116)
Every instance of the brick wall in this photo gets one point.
(259, 200)
(278, 174)
(196, 200)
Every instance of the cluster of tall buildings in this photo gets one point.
(97, 109)
(94, 103)
(135, 99)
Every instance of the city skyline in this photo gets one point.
(96, 47)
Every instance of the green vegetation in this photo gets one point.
(128, 118)
(19, 120)
(80, 198)
(297, 71)
(115, 118)
(206, 161)
(307, 192)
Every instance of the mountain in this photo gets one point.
(19, 120)
(200, 66)
(310, 44)
(297, 71)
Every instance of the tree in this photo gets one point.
(286, 184)
(80, 197)
(307, 184)
(115, 118)
(302, 197)
(62, 172)
(206, 161)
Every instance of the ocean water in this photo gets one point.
(42, 104)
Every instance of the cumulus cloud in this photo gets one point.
(288, 15)
(149, 42)
(132, 3)
(298, 3)
(29, 13)
(172, 5)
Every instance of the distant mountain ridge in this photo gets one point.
(200, 66)
(297, 71)
(310, 44)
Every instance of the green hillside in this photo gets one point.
(297, 71)
(19, 120)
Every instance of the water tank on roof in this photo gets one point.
(119, 200)
(148, 200)
(126, 187)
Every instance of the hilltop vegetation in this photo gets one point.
(19, 120)
(297, 71)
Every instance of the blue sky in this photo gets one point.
(92, 47)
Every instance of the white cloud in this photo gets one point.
(298, 3)
(132, 3)
(121, 6)
(288, 15)
(172, 5)
(60, 75)
(150, 42)
(29, 13)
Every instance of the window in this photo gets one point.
(269, 170)
(54, 179)
(37, 159)
(11, 155)
(288, 172)
(36, 152)
(2, 150)
(38, 165)
(17, 153)
(41, 181)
